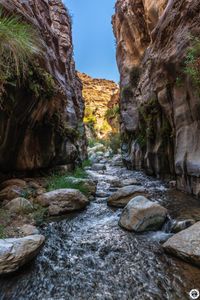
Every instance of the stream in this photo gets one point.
(88, 256)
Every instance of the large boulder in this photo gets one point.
(141, 214)
(89, 184)
(113, 180)
(186, 244)
(10, 192)
(98, 147)
(62, 201)
(19, 205)
(123, 195)
(15, 252)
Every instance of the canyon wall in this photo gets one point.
(158, 53)
(41, 119)
(101, 98)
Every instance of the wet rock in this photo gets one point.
(123, 195)
(63, 201)
(178, 226)
(113, 180)
(19, 205)
(93, 158)
(126, 182)
(141, 214)
(15, 252)
(98, 167)
(103, 161)
(97, 148)
(117, 161)
(102, 194)
(28, 229)
(186, 244)
(88, 184)
(107, 154)
(10, 192)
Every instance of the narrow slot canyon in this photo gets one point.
(99, 150)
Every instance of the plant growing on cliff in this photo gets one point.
(89, 118)
(19, 43)
(112, 112)
(192, 62)
(127, 92)
(149, 114)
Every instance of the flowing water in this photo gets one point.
(88, 256)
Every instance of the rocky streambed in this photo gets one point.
(87, 255)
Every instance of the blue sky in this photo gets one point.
(94, 45)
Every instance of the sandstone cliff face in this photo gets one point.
(39, 132)
(160, 103)
(100, 95)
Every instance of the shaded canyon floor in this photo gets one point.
(88, 256)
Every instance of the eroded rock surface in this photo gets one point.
(159, 102)
(122, 196)
(99, 96)
(62, 201)
(141, 214)
(39, 132)
(186, 244)
(14, 253)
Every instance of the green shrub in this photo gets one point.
(89, 116)
(114, 142)
(39, 83)
(63, 182)
(192, 62)
(112, 112)
(149, 113)
(92, 142)
(19, 43)
(86, 163)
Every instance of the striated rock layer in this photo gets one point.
(159, 103)
(100, 95)
(38, 131)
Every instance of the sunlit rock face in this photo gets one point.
(159, 102)
(100, 95)
(38, 133)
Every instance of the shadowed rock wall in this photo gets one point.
(160, 103)
(39, 131)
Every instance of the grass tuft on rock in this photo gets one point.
(19, 43)
(58, 181)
